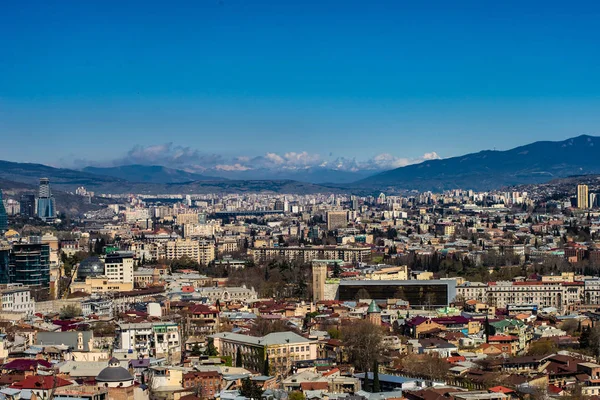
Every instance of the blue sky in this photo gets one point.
(87, 81)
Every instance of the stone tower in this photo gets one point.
(374, 314)
(319, 275)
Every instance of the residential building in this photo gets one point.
(3, 216)
(202, 252)
(283, 349)
(18, 301)
(118, 267)
(30, 264)
(159, 339)
(582, 197)
(207, 383)
(348, 254)
(336, 220)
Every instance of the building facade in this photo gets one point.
(30, 264)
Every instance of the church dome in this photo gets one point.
(114, 373)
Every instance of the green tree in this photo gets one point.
(337, 270)
(334, 333)
(70, 311)
(238, 357)
(542, 348)
(266, 368)
(376, 384)
(211, 350)
(251, 390)
(196, 350)
(296, 395)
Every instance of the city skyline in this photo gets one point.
(383, 84)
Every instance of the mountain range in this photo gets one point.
(537, 162)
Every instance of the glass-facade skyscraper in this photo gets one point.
(3, 215)
(27, 205)
(4, 261)
(30, 264)
(45, 203)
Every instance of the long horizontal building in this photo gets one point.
(348, 254)
(543, 293)
(200, 251)
(282, 349)
(429, 293)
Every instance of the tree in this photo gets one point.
(569, 325)
(251, 390)
(196, 350)
(337, 271)
(542, 348)
(296, 395)
(362, 294)
(334, 333)
(211, 350)
(426, 365)
(364, 342)
(238, 358)
(70, 311)
(376, 384)
(266, 368)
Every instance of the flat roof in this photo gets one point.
(415, 282)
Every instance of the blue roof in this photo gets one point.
(389, 378)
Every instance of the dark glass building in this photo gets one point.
(90, 267)
(4, 262)
(30, 264)
(27, 205)
(438, 293)
(3, 216)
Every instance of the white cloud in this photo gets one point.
(234, 167)
(190, 159)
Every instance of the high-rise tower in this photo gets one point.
(46, 210)
(3, 216)
(582, 197)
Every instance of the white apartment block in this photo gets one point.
(160, 339)
(541, 293)
(202, 252)
(119, 267)
(18, 301)
(200, 230)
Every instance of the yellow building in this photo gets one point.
(399, 273)
(582, 197)
(100, 284)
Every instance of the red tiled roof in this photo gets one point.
(314, 386)
(26, 364)
(502, 338)
(500, 389)
(40, 382)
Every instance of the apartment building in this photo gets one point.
(159, 339)
(544, 293)
(199, 230)
(336, 220)
(118, 267)
(201, 251)
(307, 254)
(472, 291)
(17, 300)
(283, 349)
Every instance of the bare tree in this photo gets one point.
(364, 342)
